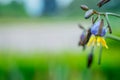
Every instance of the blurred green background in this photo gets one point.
(39, 41)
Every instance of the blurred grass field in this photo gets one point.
(67, 65)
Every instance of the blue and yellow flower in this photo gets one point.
(95, 38)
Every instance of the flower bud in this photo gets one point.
(84, 7)
(102, 2)
(89, 13)
(110, 30)
(82, 38)
(90, 60)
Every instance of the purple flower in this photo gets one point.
(95, 29)
(82, 37)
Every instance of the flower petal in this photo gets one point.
(103, 42)
(98, 41)
(94, 41)
(95, 27)
(91, 40)
(104, 30)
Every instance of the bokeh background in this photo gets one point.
(39, 41)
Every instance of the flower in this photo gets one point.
(98, 33)
(97, 40)
(85, 36)
(96, 28)
(82, 38)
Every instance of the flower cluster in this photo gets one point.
(96, 34)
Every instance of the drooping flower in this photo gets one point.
(97, 40)
(95, 29)
(85, 36)
(82, 38)
(98, 32)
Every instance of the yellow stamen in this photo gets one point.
(104, 42)
(97, 40)
(94, 41)
(91, 40)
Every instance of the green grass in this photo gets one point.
(73, 61)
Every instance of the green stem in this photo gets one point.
(113, 14)
(106, 13)
(113, 37)
(100, 55)
(92, 50)
(108, 22)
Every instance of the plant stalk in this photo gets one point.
(113, 37)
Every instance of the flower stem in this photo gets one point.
(106, 13)
(92, 50)
(113, 14)
(100, 55)
(113, 37)
(108, 22)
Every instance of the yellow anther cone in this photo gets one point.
(91, 40)
(104, 42)
(97, 40)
